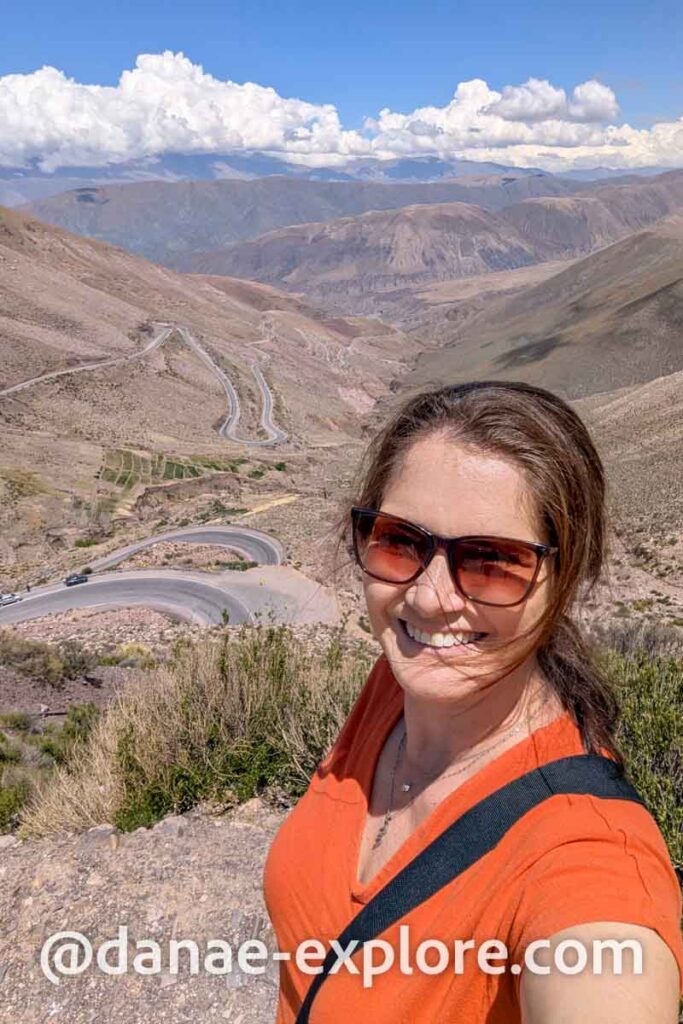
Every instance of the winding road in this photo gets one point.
(101, 364)
(227, 428)
(192, 595)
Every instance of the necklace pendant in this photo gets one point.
(406, 787)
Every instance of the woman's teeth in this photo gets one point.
(442, 639)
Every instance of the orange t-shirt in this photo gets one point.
(570, 860)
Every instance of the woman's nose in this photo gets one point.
(435, 587)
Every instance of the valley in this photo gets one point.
(143, 405)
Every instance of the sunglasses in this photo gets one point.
(487, 570)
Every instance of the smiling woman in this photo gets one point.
(479, 525)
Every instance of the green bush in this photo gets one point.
(650, 734)
(84, 542)
(8, 752)
(267, 725)
(12, 799)
(59, 742)
(16, 720)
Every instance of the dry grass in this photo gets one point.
(228, 718)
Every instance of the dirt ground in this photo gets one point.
(196, 877)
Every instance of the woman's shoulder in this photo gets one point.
(583, 831)
(584, 858)
(379, 698)
(620, 828)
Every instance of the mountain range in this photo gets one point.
(351, 262)
(578, 289)
(346, 243)
(164, 221)
(23, 184)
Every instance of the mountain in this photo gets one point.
(23, 185)
(67, 301)
(356, 257)
(639, 431)
(611, 320)
(164, 221)
(606, 173)
(574, 225)
(350, 263)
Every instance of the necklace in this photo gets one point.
(407, 786)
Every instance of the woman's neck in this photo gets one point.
(441, 733)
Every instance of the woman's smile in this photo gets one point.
(452, 641)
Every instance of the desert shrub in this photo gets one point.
(649, 689)
(76, 660)
(12, 798)
(50, 663)
(130, 655)
(8, 752)
(30, 657)
(60, 742)
(15, 720)
(251, 712)
(84, 542)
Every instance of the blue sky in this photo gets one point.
(365, 56)
(559, 86)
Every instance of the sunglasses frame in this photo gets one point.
(448, 545)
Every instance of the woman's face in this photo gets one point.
(453, 491)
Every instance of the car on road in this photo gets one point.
(75, 578)
(9, 599)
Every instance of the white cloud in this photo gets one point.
(168, 104)
(538, 100)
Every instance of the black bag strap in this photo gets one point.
(471, 836)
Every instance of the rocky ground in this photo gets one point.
(209, 557)
(195, 877)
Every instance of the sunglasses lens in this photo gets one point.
(499, 572)
(495, 572)
(388, 549)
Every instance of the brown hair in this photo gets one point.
(541, 435)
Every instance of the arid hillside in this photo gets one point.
(80, 447)
(376, 252)
(374, 262)
(604, 331)
(565, 226)
(611, 320)
(640, 433)
(165, 220)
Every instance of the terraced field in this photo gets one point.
(126, 472)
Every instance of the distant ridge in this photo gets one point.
(164, 221)
(611, 320)
(348, 261)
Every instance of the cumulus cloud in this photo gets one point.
(538, 100)
(167, 104)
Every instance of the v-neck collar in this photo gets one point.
(444, 813)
